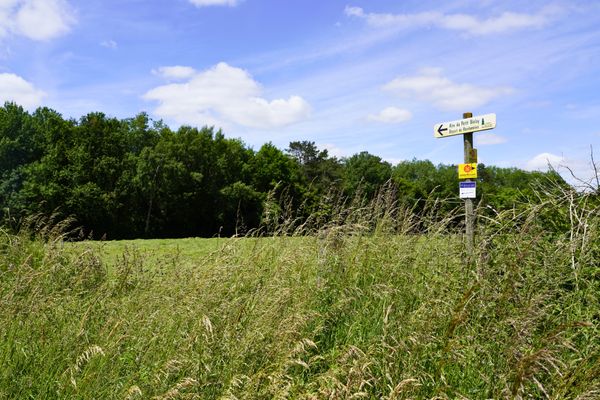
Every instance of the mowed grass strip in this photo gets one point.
(188, 250)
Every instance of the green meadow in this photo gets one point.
(366, 307)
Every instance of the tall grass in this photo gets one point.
(361, 306)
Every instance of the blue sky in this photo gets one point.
(349, 75)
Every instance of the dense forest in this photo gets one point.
(127, 178)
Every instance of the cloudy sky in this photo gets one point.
(349, 75)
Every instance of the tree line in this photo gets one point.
(135, 177)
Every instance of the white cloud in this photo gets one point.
(541, 162)
(44, 19)
(394, 20)
(391, 115)
(204, 3)
(430, 86)
(110, 44)
(577, 171)
(488, 139)
(16, 89)
(225, 94)
(506, 22)
(352, 11)
(394, 160)
(175, 72)
(474, 25)
(333, 150)
(35, 19)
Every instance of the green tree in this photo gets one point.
(365, 172)
(271, 169)
(319, 170)
(18, 147)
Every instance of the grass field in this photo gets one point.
(189, 250)
(354, 311)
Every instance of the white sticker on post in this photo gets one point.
(467, 190)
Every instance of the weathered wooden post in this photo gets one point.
(469, 208)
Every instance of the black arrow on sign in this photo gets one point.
(440, 130)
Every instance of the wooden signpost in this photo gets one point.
(468, 170)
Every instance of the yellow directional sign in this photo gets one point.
(467, 171)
